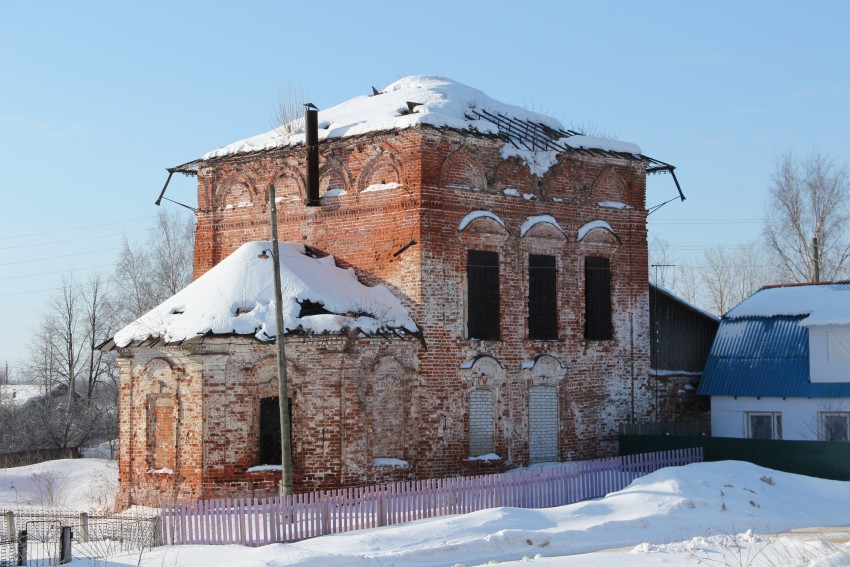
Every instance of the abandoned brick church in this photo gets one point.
(467, 292)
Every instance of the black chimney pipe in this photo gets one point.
(311, 121)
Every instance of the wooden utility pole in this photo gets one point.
(283, 398)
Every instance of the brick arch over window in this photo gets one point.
(609, 186)
(484, 370)
(513, 173)
(232, 190)
(483, 222)
(262, 390)
(334, 175)
(459, 170)
(547, 370)
(381, 169)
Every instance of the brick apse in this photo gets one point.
(523, 266)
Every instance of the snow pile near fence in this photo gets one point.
(695, 505)
(84, 485)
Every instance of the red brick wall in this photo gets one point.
(343, 410)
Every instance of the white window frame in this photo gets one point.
(821, 426)
(775, 423)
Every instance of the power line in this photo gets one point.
(55, 272)
(74, 228)
(77, 239)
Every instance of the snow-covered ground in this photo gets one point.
(77, 484)
(708, 513)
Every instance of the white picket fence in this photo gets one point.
(256, 522)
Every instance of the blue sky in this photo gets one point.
(98, 98)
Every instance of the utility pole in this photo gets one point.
(283, 398)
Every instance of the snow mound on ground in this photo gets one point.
(670, 505)
(85, 485)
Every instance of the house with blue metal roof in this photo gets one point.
(779, 367)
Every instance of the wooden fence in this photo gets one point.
(271, 520)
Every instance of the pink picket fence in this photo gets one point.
(257, 522)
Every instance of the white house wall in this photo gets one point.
(829, 353)
(799, 416)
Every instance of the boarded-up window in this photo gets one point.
(388, 418)
(543, 424)
(164, 439)
(482, 275)
(270, 449)
(480, 423)
(542, 298)
(597, 299)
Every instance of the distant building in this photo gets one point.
(683, 337)
(780, 365)
(516, 249)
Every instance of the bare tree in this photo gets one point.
(72, 409)
(687, 282)
(288, 115)
(172, 247)
(150, 274)
(661, 263)
(134, 288)
(809, 200)
(730, 276)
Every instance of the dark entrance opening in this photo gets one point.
(270, 452)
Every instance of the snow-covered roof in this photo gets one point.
(237, 297)
(442, 103)
(824, 304)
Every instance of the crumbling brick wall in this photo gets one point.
(380, 192)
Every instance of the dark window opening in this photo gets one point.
(542, 298)
(482, 276)
(597, 299)
(270, 450)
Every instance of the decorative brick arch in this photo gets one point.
(544, 229)
(609, 186)
(513, 173)
(600, 236)
(289, 184)
(382, 169)
(483, 222)
(460, 170)
(546, 371)
(232, 188)
(557, 182)
(333, 175)
(261, 380)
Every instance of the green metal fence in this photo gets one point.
(824, 459)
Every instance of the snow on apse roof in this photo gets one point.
(237, 297)
(442, 103)
(825, 304)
